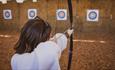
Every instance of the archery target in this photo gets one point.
(92, 15)
(32, 13)
(7, 14)
(61, 14)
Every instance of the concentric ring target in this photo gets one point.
(92, 15)
(7, 14)
(32, 13)
(61, 14)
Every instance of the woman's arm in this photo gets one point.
(60, 39)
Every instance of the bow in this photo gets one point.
(71, 37)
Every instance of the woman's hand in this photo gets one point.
(70, 31)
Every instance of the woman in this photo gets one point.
(35, 50)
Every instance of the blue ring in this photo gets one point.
(60, 13)
(7, 14)
(32, 12)
(94, 15)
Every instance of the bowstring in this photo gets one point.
(56, 22)
(59, 6)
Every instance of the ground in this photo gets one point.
(92, 51)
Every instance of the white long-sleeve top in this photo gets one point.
(44, 57)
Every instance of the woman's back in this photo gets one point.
(44, 57)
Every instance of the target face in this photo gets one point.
(61, 14)
(92, 15)
(32, 13)
(7, 14)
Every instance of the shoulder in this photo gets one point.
(48, 44)
(48, 47)
(13, 59)
(14, 56)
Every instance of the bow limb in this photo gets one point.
(71, 37)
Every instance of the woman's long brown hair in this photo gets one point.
(33, 32)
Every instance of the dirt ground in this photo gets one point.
(92, 51)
